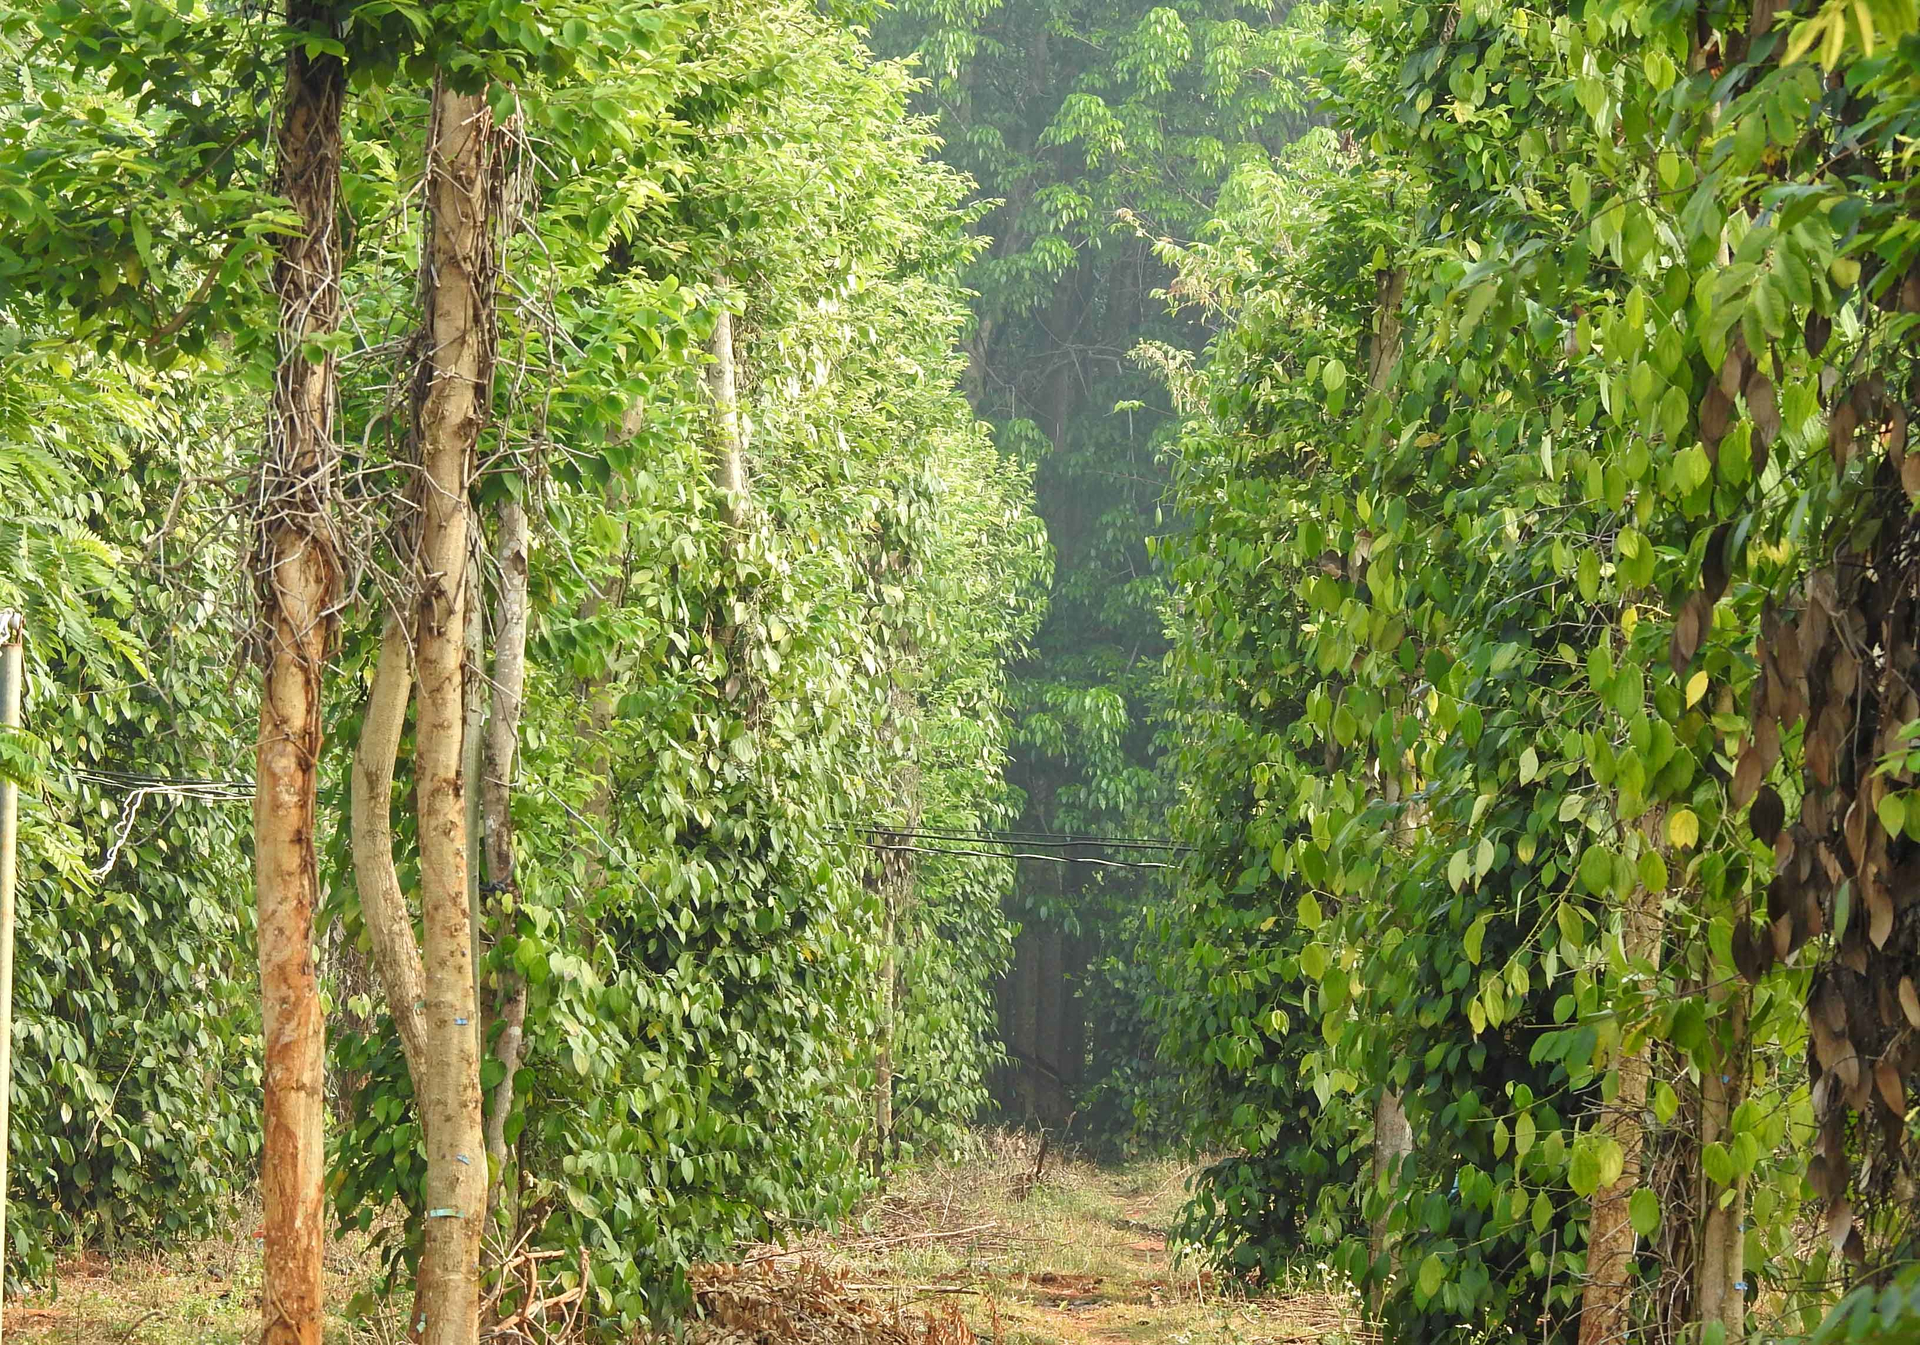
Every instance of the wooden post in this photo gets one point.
(10, 680)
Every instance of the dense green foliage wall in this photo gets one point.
(1558, 421)
(136, 1038)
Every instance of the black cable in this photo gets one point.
(1002, 854)
(1043, 839)
(1061, 843)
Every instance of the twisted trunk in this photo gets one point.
(383, 906)
(297, 577)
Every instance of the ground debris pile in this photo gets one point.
(806, 1302)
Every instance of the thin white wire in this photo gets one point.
(204, 791)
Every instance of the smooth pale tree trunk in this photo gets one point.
(1605, 1303)
(1722, 1245)
(502, 749)
(383, 906)
(473, 756)
(459, 277)
(297, 577)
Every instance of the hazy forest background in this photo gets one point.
(633, 618)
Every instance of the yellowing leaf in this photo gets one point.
(1475, 935)
(1683, 829)
(1696, 688)
(1892, 809)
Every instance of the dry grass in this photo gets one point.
(991, 1248)
(1060, 1253)
(202, 1293)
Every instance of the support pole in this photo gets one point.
(11, 676)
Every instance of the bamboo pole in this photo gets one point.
(11, 676)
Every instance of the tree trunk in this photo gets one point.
(297, 577)
(1390, 287)
(503, 744)
(730, 450)
(1721, 1294)
(894, 879)
(1392, 1142)
(383, 906)
(598, 692)
(473, 756)
(459, 284)
(1392, 1132)
(883, 1055)
(1606, 1301)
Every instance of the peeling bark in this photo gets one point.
(297, 579)
(459, 283)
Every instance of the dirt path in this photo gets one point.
(1078, 1257)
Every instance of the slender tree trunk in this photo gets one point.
(383, 906)
(1392, 1142)
(297, 576)
(895, 882)
(1392, 1132)
(1723, 1086)
(1605, 1303)
(883, 1056)
(503, 743)
(473, 757)
(459, 284)
(730, 455)
(1384, 354)
(598, 691)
